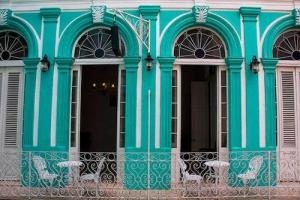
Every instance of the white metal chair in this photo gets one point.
(186, 176)
(41, 167)
(94, 176)
(252, 172)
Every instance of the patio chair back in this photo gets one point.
(183, 169)
(255, 164)
(100, 164)
(40, 165)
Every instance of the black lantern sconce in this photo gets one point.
(254, 65)
(149, 61)
(45, 63)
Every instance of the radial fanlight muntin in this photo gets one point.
(12, 46)
(287, 46)
(96, 44)
(199, 43)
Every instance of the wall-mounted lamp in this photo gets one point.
(254, 65)
(149, 60)
(45, 63)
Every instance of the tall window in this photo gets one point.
(223, 108)
(12, 47)
(174, 108)
(122, 105)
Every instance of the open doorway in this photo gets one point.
(199, 108)
(99, 100)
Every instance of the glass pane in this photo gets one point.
(223, 78)
(174, 94)
(73, 124)
(122, 139)
(224, 140)
(174, 125)
(123, 77)
(73, 139)
(224, 110)
(122, 125)
(74, 109)
(224, 125)
(123, 94)
(75, 78)
(174, 140)
(74, 94)
(174, 110)
(223, 95)
(174, 78)
(122, 110)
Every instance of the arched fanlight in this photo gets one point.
(12, 46)
(96, 43)
(287, 46)
(199, 43)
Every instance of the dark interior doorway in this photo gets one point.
(99, 97)
(198, 108)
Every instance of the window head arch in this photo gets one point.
(12, 46)
(96, 43)
(287, 46)
(199, 43)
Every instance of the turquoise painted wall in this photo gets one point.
(226, 23)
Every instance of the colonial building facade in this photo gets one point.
(224, 76)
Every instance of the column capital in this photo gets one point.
(234, 63)
(132, 60)
(64, 61)
(269, 63)
(250, 13)
(166, 60)
(149, 12)
(50, 14)
(31, 61)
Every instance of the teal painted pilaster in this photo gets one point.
(131, 66)
(63, 103)
(250, 16)
(234, 103)
(29, 100)
(149, 13)
(49, 17)
(166, 65)
(270, 106)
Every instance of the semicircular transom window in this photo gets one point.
(287, 46)
(97, 43)
(199, 43)
(12, 46)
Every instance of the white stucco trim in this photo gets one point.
(243, 87)
(54, 91)
(39, 41)
(157, 88)
(138, 141)
(192, 61)
(101, 61)
(170, 24)
(268, 29)
(166, 4)
(261, 93)
(37, 92)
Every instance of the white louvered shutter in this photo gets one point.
(288, 108)
(12, 110)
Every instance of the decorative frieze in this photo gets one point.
(200, 13)
(98, 13)
(4, 14)
(297, 16)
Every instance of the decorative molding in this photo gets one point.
(200, 13)
(98, 13)
(296, 13)
(4, 15)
